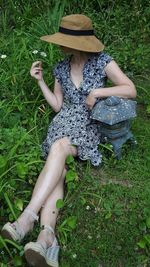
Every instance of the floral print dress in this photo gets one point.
(74, 120)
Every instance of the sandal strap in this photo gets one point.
(48, 228)
(33, 214)
(55, 243)
(19, 231)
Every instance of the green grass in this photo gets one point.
(106, 209)
(118, 197)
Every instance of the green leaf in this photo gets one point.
(17, 261)
(3, 242)
(3, 161)
(148, 222)
(107, 206)
(19, 204)
(142, 243)
(148, 109)
(11, 217)
(83, 200)
(147, 238)
(13, 243)
(65, 264)
(72, 221)
(108, 215)
(142, 226)
(22, 169)
(9, 203)
(3, 265)
(70, 159)
(1, 245)
(71, 186)
(71, 176)
(59, 204)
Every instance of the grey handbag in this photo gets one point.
(113, 110)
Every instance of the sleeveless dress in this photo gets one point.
(74, 120)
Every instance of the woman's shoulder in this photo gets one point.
(104, 57)
(101, 59)
(60, 68)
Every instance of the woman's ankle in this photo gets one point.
(46, 238)
(26, 220)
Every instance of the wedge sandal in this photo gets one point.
(38, 256)
(52, 252)
(35, 254)
(13, 231)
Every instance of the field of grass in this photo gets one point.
(104, 220)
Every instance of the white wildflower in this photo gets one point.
(89, 237)
(43, 54)
(74, 256)
(35, 52)
(87, 207)
(95, 210)
(3, 56)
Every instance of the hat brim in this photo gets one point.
(81, 43)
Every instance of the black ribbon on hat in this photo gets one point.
(76, 32)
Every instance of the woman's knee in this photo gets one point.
(64, 146)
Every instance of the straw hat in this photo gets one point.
(76, 32)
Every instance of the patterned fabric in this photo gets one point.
(73, 120)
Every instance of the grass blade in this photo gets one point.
(10, 206)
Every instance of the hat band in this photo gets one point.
(76, 32)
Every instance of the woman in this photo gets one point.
(79, 82)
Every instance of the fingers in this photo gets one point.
(90, 101)
(90, 107)
(36, 63)
(36, 70)
(36, 66)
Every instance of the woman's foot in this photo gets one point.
(26, 220)
(45, 251)
(17, 230)
(46, 238)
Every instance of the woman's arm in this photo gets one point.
(54, 99)
(123, 86)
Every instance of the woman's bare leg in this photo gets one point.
(49, 212)
(48, 178)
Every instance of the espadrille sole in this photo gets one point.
(9, 232)
(35, 254)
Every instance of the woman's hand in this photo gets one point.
(36, 70)
(90, 100)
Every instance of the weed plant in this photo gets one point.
(105, 217)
